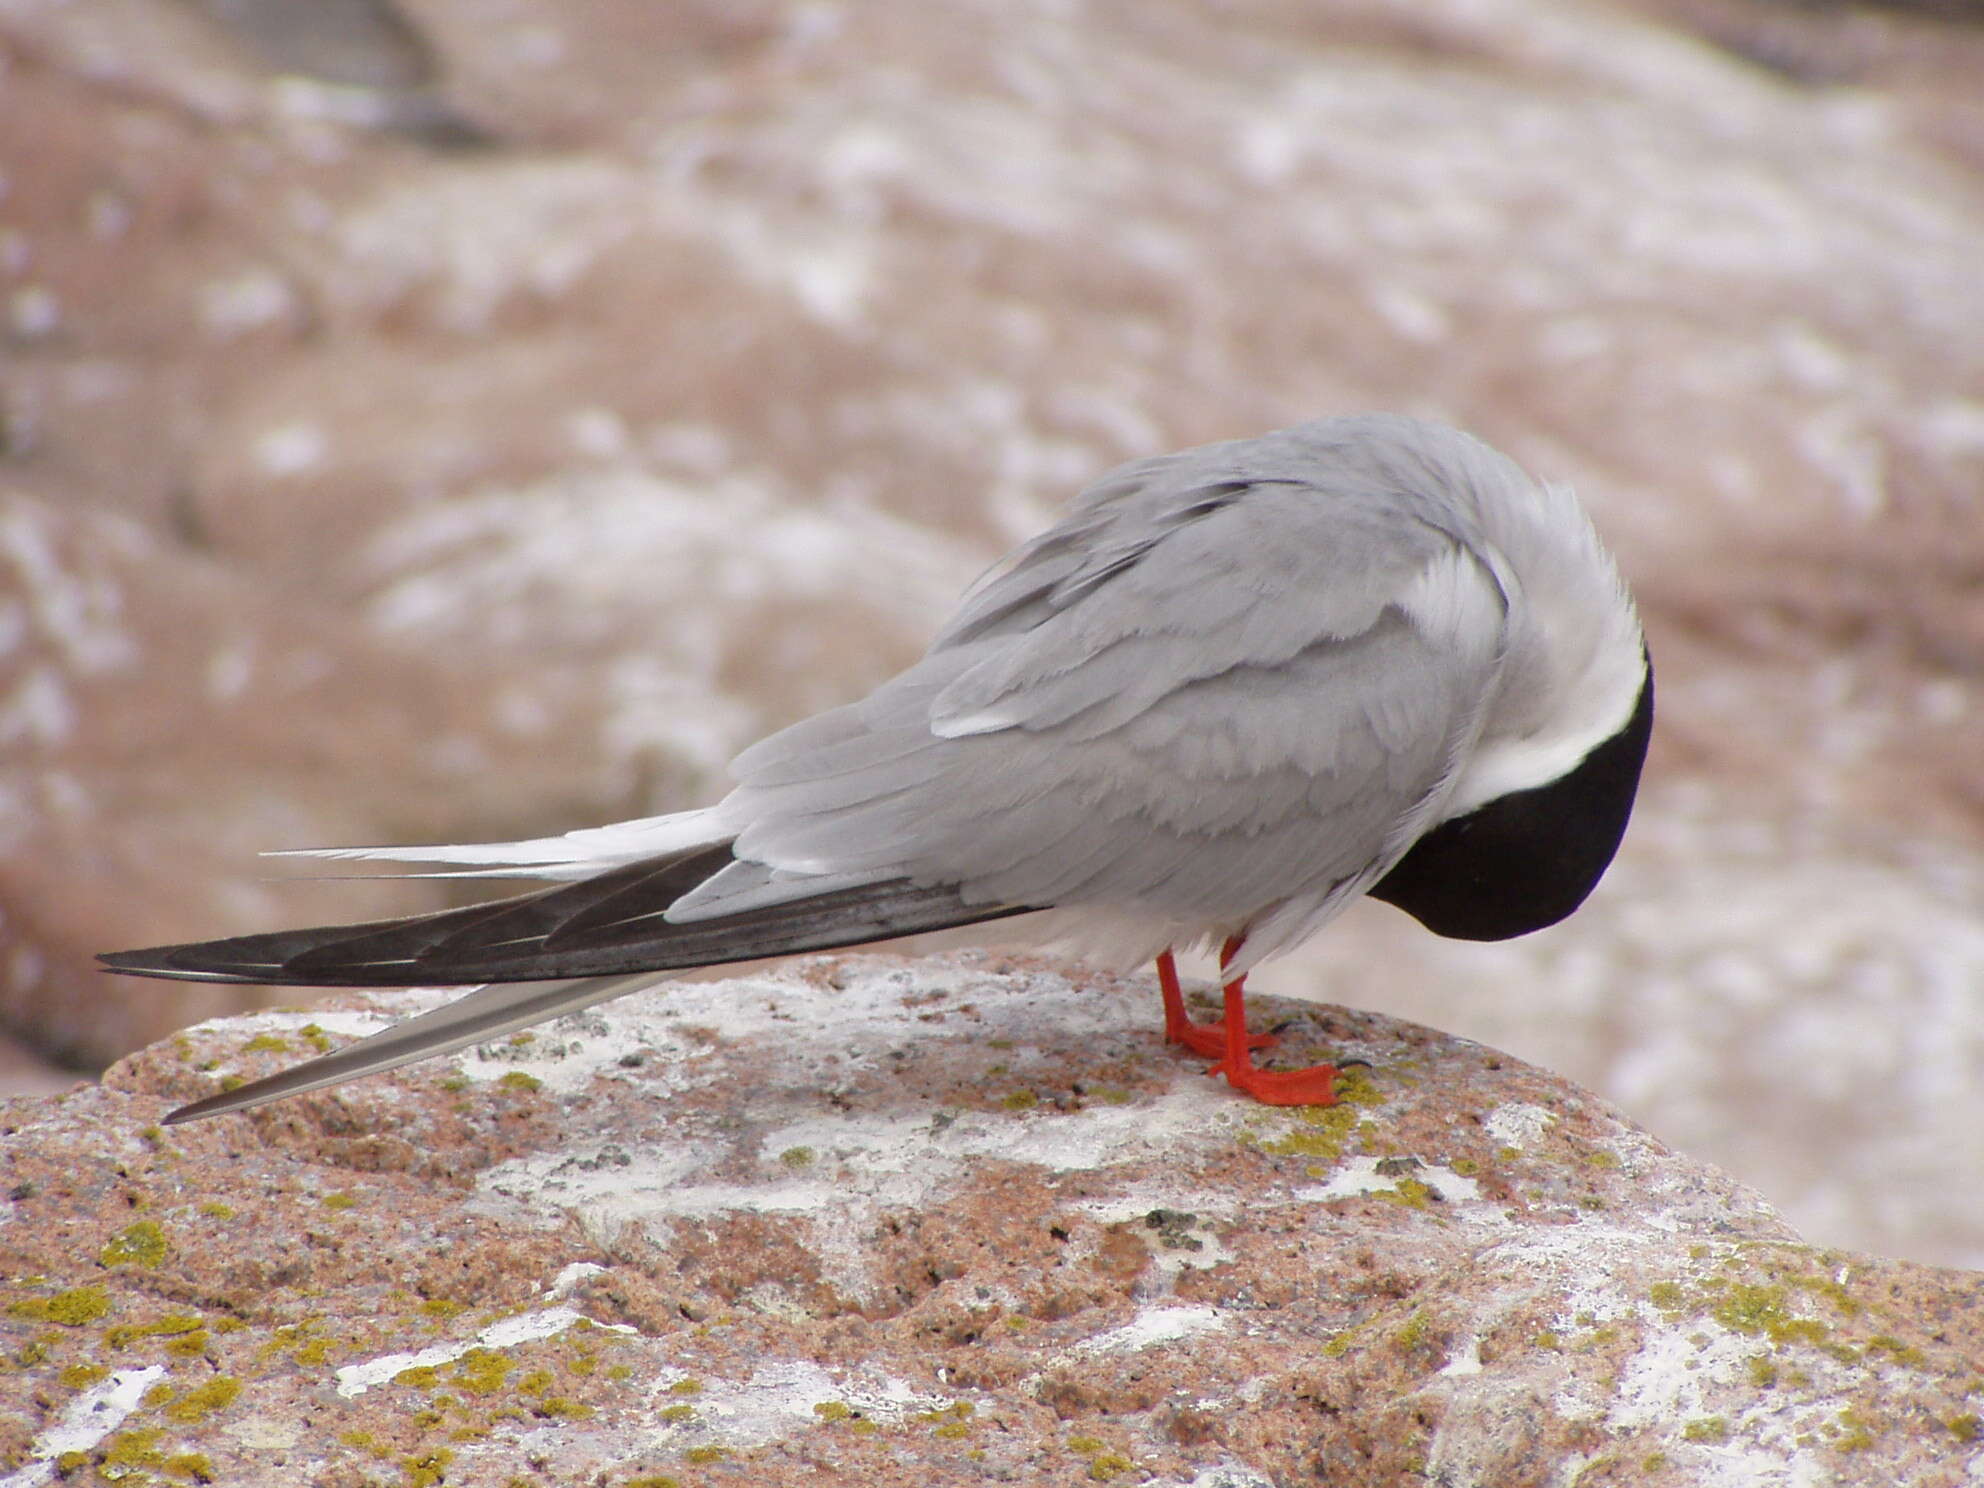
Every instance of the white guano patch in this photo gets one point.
(779, 1401)
(85, 1421)
(1362, 1175)
(1152, 1326)
(1519, 1125)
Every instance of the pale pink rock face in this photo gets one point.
(360, 481)
(931, 1221)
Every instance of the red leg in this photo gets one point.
(1207, 1039)
(1314, 1086)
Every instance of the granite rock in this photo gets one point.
(959, 1220)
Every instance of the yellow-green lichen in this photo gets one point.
(482, 1371)
(796, 1157)
(1965, 1428)
(193, 1467)
(313, 1351)
(315, 1037)
(1894, 1348)
(1339, 1344)
(418, 1377)
(131, 1451)
(427, 1469)
(1765, 1310)
(36, 1351)
(1706, 1429)
(1410, 1192)
(203, 1400)
(833, 1410)
(75, 1308)
(1103, 1464)
(702, 1456)
(1843, 1301)
(141, 1244)
(677, 1415)
(518, 1080)
(1413, 1331)
(266, 1043)
(1019, 1100)
(172, 1325)
(443, 1308)
(690, 1386)
(952, 1422)
(217, 1210)
(1857, 1432)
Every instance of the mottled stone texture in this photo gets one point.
(949, 1221)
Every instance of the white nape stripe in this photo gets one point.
(1502, 767)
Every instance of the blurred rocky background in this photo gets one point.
(475, 418)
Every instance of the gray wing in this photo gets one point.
(1207, 694)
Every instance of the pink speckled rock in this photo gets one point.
(948, 1221)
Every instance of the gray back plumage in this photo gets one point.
(1227, 690)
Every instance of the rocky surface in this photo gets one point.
(457, 419)
(952, 1220)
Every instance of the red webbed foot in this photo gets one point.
(1313, 1086)
(1234, 1046)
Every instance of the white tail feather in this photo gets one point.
(574, 855)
